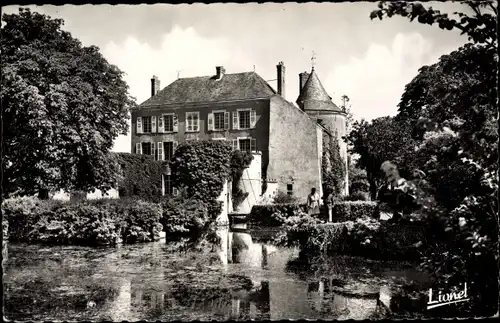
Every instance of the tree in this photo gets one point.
(346, 108)
(382, 139)
(451, 108)
(62, 104)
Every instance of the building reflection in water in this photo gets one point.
(282, 297)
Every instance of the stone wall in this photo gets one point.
(293, 149)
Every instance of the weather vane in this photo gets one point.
(313, 59)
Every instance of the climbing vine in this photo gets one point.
(332, 166)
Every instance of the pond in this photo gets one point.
(249, 278)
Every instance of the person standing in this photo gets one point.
(313, 202)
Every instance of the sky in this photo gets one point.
(370, 61)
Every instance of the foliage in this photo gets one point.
(358, 180)
(364, 236)
(64, 104)
(480, 27)
(352, 210)
(357, 196)
(378, 141)
(95, 222)
(201, 168)
(333, 166)
(183, 215)
(274, 214)
(284, 198)
(451, 109)
(140, 176)
(239, 161)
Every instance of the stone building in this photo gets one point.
(244, 109)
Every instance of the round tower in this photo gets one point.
(315, 101)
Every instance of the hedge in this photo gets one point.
(93, 222)
(274, 214)
(140, 176)
(352, 210)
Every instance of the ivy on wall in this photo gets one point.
(200, 168)
(332, 166)
(140, 176)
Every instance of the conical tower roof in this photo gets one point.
(313, 96)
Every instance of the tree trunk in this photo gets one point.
(43, 194)
(373, 189)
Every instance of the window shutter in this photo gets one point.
(138, 148)
(253, 118)
(153, 124)
(235, 144)
(175, 123)
(210, 122)
(153, 150)
(161, 155)
(253, 144)
(226, 120)
(161, 127)
(174, 146)
(197, 124)
(139, 125)
(235, 120)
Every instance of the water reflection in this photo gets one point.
(247, 279)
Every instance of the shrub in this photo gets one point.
(357, 196)
(94, 222)
(140, 176)
(352, 210)
(274, 214)
(284, 198)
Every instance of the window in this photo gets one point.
(146, 148)
(169, 150)
(289, 189)
(244, 144)
(146, 124)
(219, 120)
(168, 122)
(192, 121)
(168, 185)
(244, 119)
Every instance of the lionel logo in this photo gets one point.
(447, 298)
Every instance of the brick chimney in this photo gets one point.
(155, 85)
(302, 80)
(281, 78)
(220, 72)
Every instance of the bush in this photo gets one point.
(357, 196)
(352, 210)
(94, 222)
(284, 198)
(274, 214)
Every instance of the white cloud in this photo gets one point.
(375, 82)
(181, 50)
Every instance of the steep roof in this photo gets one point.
(239, 86)
(313, 96)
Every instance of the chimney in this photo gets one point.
(302, 80)
(155, 85)
(281, 78)
(220, 72)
